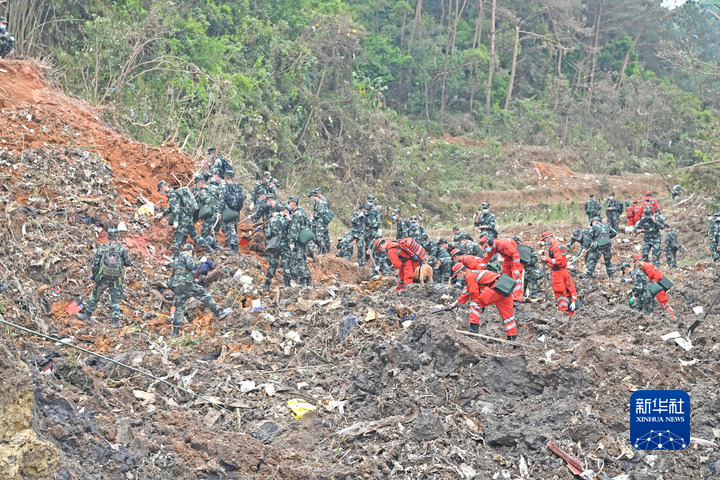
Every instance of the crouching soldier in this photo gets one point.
(108, 273)
(184, 287)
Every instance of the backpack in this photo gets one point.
(410, 247)
(111, 264)
(187, 199)
(225, 167)
(235, 197)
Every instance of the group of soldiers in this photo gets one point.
(291, 235)
(7, 39)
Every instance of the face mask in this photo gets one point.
(413, 224)
(370, 204)
(3, 27)
(612, 198)
(710, 219)
(267, 181)
(548, 242)
(163, 192)
(488, 249)
(394, 217)
(485, 210)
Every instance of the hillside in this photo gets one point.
(412, 400)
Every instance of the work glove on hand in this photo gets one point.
(414, 258)
(259, 228)
(176, 225)
(203, 260)
(625, 280)
(572, 306)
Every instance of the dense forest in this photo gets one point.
(359, 89)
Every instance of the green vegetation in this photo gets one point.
(356, 94)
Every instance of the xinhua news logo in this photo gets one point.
(660, 420)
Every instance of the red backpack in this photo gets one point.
(410, 247)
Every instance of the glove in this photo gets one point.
(258, 228)
(203, 260)
(572, 306)
(625, 280)
(176, 225)
(292, 247)
(414, 258)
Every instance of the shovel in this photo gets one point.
(76, 305)
(245, 241)
(699, 321)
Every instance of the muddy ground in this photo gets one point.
(393, 400)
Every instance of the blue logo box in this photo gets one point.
(660, 420)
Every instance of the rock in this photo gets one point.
(427, 427)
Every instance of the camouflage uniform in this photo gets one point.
(671, 248)
(460, 235)
(714, 235)
(402, 227)
(185, 219)
(115, 285)
(207, 231)
(578, 236)
(298, 254)
(443, 273)
(319, 226)
(203, 197)
(652, 226)
(533, 274)
(345, 246)
(416, 232)
(613, 210)
(643, 298)
(472, 248)
(592, 208)
(597, 232)
(184, 287)
(263, 210)
(676, 192)
(373, 225)
(7, 42)
(278, 227)
(357, 233)
(218, 166)
(228, 228)
(260, 187)
(382, 262)
(487, 219)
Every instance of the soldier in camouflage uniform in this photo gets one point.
(264, 208)
(319, 224)
(298, 250)
(485, 221)
(592, 207)
(671, 248)
(533, 274)
(613, 210)
(578, 236)
(229, 227)
(402, 226)
(278, 249)
(7, 39)
(205, 198)
(373, 223)
(262, 186)
(468, 247)
(184, 287)
(357, 233)
(442, 269)
(676, 192)
(714, 236)
(641, 293)
(381, 260)
(416, 230)
(598, 242)
(441, 251)
(458, 235)
(184, 219)
(218, 164)
(651, 225)
(108, 272)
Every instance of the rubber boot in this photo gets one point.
(234, 248)
(308, 281)
(224, 313)
(176, 331)
(216, 246)
(511, 337)
(83, 316)
(266, 285)
(287, 281)
(115, 323)
(474, 328)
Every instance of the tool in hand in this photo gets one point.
(699, 321)
(245, 241)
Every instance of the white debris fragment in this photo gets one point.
(548, 355)
(257, 336)
(688, 363)
(698, 310)
(247, 386)
(684, 343)
(668, 336)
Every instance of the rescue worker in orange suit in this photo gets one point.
(507, 248)
(405, 255)
(479, 290)
(654, 274)
(633, 213)
(649, 200)
(562, 284)
(469, 261)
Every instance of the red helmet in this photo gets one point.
(647, 194)
(454, 252)
(457, 268)
(637, 257)
(377, 243)
(547, 234)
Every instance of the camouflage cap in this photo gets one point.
(455, 227)
(275, 181)
(371, 197)
(612, 194)
(187, 247)
(362, 206)
(485, 205)
(592, 195)
(206, 174)
(441, 240)
(576, 232)
(396, 210)
(624, 265)
(716, 213)
(199, 178)
(212, 149)
(266, 174)
(161, 184)
(3, 19)
(431, 260)
(424, 236)
(270, 195)
(595, 218)
(293, 198)
(113, 232)
(647, 209)
(413, 218)
(280, 206)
